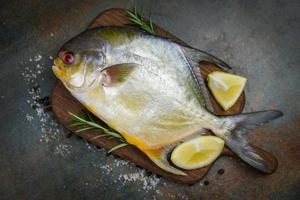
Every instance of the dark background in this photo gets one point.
(37, 159)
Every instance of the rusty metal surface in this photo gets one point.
(37, 159)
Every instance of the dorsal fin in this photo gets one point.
(196, 56)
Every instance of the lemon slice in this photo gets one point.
(198, 152)
(226, 87)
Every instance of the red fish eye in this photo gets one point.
(67, 57)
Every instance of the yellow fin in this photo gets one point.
(158, 156)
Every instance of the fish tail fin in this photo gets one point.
(159, 157)
(238, 127)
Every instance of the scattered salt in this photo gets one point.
(62, 150)
(148, 183)
(37, 57)
(51, 132)
(29, 118)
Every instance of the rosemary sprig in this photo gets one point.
(135, 17)
(88, 123)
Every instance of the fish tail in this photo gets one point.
(238, 126)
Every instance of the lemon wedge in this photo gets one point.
(198, 152)
(226, 87)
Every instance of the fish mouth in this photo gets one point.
(57, 70)
(60, 74)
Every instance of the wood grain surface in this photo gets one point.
(63, 102)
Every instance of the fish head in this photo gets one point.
(80, 60)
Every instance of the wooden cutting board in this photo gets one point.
(63, 102)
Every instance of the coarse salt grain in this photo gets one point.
(29, 118)
(37, 57)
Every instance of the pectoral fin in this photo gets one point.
(159, 157)
(116, 73)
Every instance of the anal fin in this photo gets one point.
(159, 157)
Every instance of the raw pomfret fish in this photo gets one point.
(149, 90)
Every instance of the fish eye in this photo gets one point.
(67, 57)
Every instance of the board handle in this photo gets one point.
(269, 159)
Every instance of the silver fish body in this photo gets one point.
(150, 91)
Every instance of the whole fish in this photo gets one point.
(149, 89)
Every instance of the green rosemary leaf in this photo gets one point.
(135, 11)
(146, 28)
(137, 22)
(75, 117)
(131, 14)
(135, 17)
(151, 25)
(76, 124)
(89, 123)
(97, 136)
(117, 147)
(114, 134)
(84, 129)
